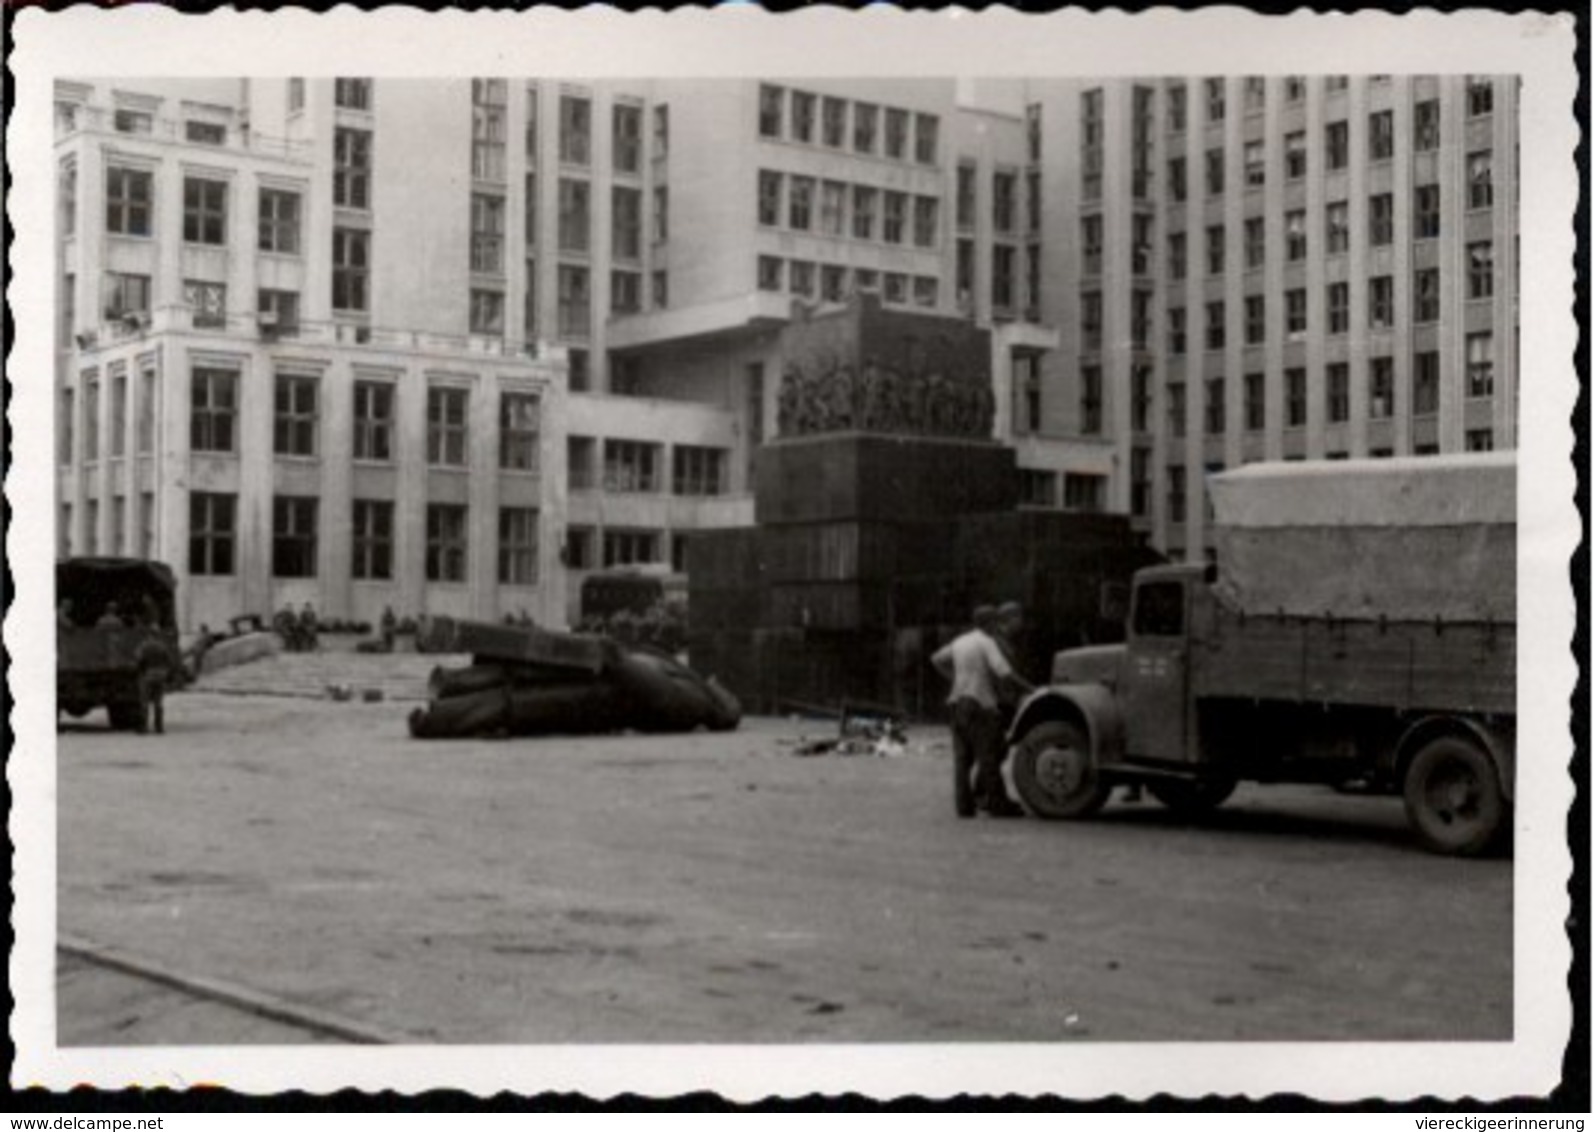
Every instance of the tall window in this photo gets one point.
(1004, 197)
(1216, 106)
(1255, 320)
(1176, 408)
(91, 420)
(1090, 243)
(1425, 125)
(1480, 179)
(1255, 92)
(1480, 270)
(698, 471)
(533, 105)
(126, 294)
(1426, 212)
(204, 211)
(1295, 155)
(926, 219)
(212, 532)
(1177, 255)
(1140, 398)
(293, 536)
(1176, 331)
(833, 122)
(145, 431)
(1140, 244)
(1255, 164)
(489, 129)
(625, 292)
(1090, 320)
(447, 428)
(895, 217)
(575, 130)
(350, 94)
(351, 168)
(1090, 400)
(528, 312)
(926, 129)
(67, 193)
(517, 546)
(1215, 242)
(1295, 235)
(486, 311)
(1176, 494)
(804, 111)
(1214, 171)
(1339, 308)
(1295, 312)
(1215, 326)
(771, 110)
(64, 422)
(351, 269)
(1381, 388)
(575, 302)
(627, 137)
(832, 207)
(487, 233)
(771, 273)
(1255, 242)
(1140, 319)
(1255, 402)
(1381, 219)
(128, 201)
(865, 126)
(1177, 112)
(294, 432)
(373, 540)
(630, 466)
(864, 207)
(1425, 295)
(1216, 414)
(966, 176)
(661, 214)
(1178, 187)
(445, 542)
(206, 302)
(1425, 383)
(1480, 96)
(801, 203)
(1381, 302)
(1381, 135)
(279, 221)
(373, 420)
(1480, 365)
(575, 215)
(214, 410)
(1338, 375)
(1336, 221)
(1336, 144)
(1295, 398)
(769, 194)
(519, 431)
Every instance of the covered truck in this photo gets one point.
(110, 612)
(1359, 625)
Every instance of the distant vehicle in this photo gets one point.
(630, 589)
(97, 661)
(1361, 629)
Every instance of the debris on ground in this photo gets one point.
(879, 735)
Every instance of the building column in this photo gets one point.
(482, 513)
(409, 504)
(335, 448)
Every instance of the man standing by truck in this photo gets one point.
(975, 665)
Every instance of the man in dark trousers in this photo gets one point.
(975, 665)
(154, 671)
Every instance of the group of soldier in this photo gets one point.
(986, 688)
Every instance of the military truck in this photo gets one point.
(97, 661)
(1358, 626)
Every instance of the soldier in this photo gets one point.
(976, 667)
(154, 670)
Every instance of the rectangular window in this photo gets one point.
(865, 126)
(1216, 413)
(1381, 219)
(1295, 235)
(519, 429)
(628, 548)
(205, 133)
(1255, 402)
(1214, 171)
(1176, 255)
(832, 283)
(1032, 198)
(1338, 392)
(577, 552)
(1090, 400)
(126, 294)
(295, 418)
(925, 138)
(1480, 96)
(1255, 164)
(575, 130)
(1004, 276)
(533, 105)
(832, 208)
(1084, 491)
(67, 190)
(580, 454)
(626, 222)
(1215, 326)
(895, 216)
(129, 198)
(1176, 495)
(769, 194)
(804, 108)
(1090, 243)
(575, 215)
(833, 122)
(1140, 244)
(351, 269)
(926, 220)
(803, 280)
(1215, 100)
(631, 466)
(1336, 221)
(1294, 398)
(1255, 93)
(1176, 409)
(133, 122)
(698, 471)
(279, 221)
(213, 410)
(1380, 388)
(1177, 112)
(575, 302)
(625, 292)
(1176, 330)
(1425, 295)
(517, 546)
(1381, 135)
(1037, 488)
(204, 211)
(145, 439)
(447, 428)
(1480, 270)
(373, 540)
(351, 168)
(1215, 249)
(771, 110)
(293, 536)
(1177, 186)
(1426, 212)
(207, 304)
(1255, 320)
(91, 421)
(1140, 319)
(627, 138)
(489, 129)
(1255, 242)
(1480, 440)
(1381, 302)
(1480, 179)
(1295, 312)
(212, 533)
(351, 94)
(771, 270)
(1480, 365)
(486, 234)
(1004, 186)
(1425, 127)
(801, 204)
(965, 195)
(446, 541)
(1140, 398)
(1339, 308)
(896, 134)
(373, 420)
(661, 214)
(1425, 384)
(1295, 155)
(64, 422)
(486, 311)
(1090, 320)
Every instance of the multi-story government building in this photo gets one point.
(447, 346)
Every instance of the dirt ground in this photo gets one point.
(720, 888)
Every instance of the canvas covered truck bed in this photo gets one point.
(1383, 583)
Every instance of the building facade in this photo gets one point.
(447, 346)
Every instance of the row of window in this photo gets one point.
(1479, 385)
(636, 466)
(295, 539)
(834, 208)
(841, 123)
(1082, 491)
(833, 283)
(1214, 91)
(1004, 198)
(1425, 307)
(129, 209)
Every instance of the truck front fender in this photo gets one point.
(1093, 707)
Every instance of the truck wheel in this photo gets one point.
(1055, 772)
(1453, 797)
(1191, 795)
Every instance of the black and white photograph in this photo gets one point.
(905, 553)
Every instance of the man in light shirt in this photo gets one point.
(975, 665)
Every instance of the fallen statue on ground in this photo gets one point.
(528, 681)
